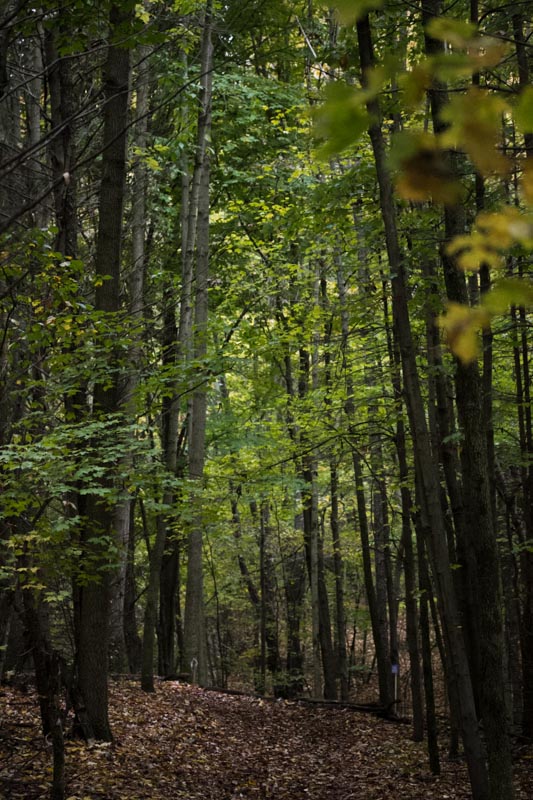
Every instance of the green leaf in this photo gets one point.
(341, 120)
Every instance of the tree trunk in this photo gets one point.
(92, 656)
(195, 655)
(427, 666)
(411, 610)
(294, 581)
(321, 629)
(123, 514)
(338, 568)
(269, 622)
(132, 639)
(380, 641)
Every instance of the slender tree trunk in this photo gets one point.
(338, 567)
(270, 655)
(523, 407)
(176, 343)
(118, 651)
(429, 694)
(294, 582)
(380, 642)
(321, 629)
(132, 639)
(12, 195)
(411, 609)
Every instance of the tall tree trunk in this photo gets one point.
(523, 408)
(98, 530)
(175, 351)
(13, 189)
(194, 626)
(338, 566)
(132, 639)
(294, 583)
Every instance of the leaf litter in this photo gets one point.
(187, 743)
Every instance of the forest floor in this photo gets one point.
(185, 743)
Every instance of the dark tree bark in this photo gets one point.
(93, 635)
(132, 639)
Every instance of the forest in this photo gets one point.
(266, 440)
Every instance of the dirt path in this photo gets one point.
(189, 744)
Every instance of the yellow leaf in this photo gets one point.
(461, 325)
(475, 258)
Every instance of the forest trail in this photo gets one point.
(185, 743)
